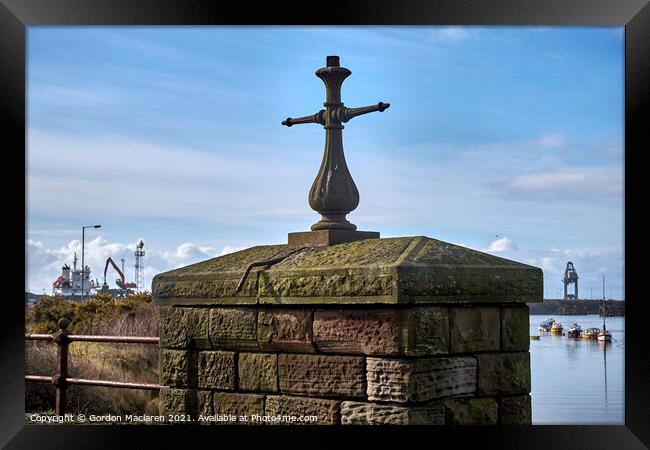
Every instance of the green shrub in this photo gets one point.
(86, 317)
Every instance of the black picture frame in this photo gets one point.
(16, 15)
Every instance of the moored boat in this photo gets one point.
(574, 331)
(556, 328)
(604, 336)
(590, 333)
(546, 325)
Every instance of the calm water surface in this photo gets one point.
(577, 381)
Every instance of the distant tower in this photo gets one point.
(139, 267)
(570, 277)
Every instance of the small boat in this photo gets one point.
(556, 328)
(604, 336)
(590, 333)
(574, 331)
(546, 325)
(536, 338)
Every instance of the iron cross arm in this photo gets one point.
(341, 114)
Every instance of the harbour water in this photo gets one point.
(577, 381)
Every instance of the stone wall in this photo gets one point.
(356, 364)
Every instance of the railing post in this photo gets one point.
(59, 380)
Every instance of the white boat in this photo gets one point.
(604, 336)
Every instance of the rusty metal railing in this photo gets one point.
(61, 379)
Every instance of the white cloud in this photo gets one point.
(230, 249)
(552, 140)
(128, 177)
(455, 34)
(566, 183)
(44, 264)
(502, 244)
(76, 97)
(514, 155)
(590, 265)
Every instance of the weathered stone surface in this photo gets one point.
(288, 330)
(177, 401)
(233, 328)
(471, 411)
(183, 327)
(216, 370)
(515, 410)
(327, 411)
(204, 403)
(515, 328)
(428, 331)
(214, 280)
(369, 332)
(258, 372)
(504, 373)
(236, 404)
(414, 331)
(323, 375)
(417, 380)
(394, 270)
(358, 413)
(474, 329)
(178, 368)
(328, 237)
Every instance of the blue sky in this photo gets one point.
(508, 140)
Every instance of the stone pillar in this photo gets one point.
(382, 331)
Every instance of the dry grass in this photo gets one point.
(100, 361)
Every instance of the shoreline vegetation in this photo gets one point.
(134, 315)
(558, 307)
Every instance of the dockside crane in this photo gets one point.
(121, 282)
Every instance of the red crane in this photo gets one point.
(121, 282)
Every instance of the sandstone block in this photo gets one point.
(183, 328)
(418, 331)
(358, 413)
(176, 401)
(515, 328)
(236, 404)
(178, 368)
(515, 410)
(285, 330)
(471, 411)
(326, 411)
(369, 332)
(504, 373)
(216, 370)
(233, 328)
(475, 329)
(258, 372)
(204, 403)
(323, 375)
(418, 380)
(428, 331)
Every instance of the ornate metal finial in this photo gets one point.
(333, 194)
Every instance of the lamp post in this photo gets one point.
(83, 266)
